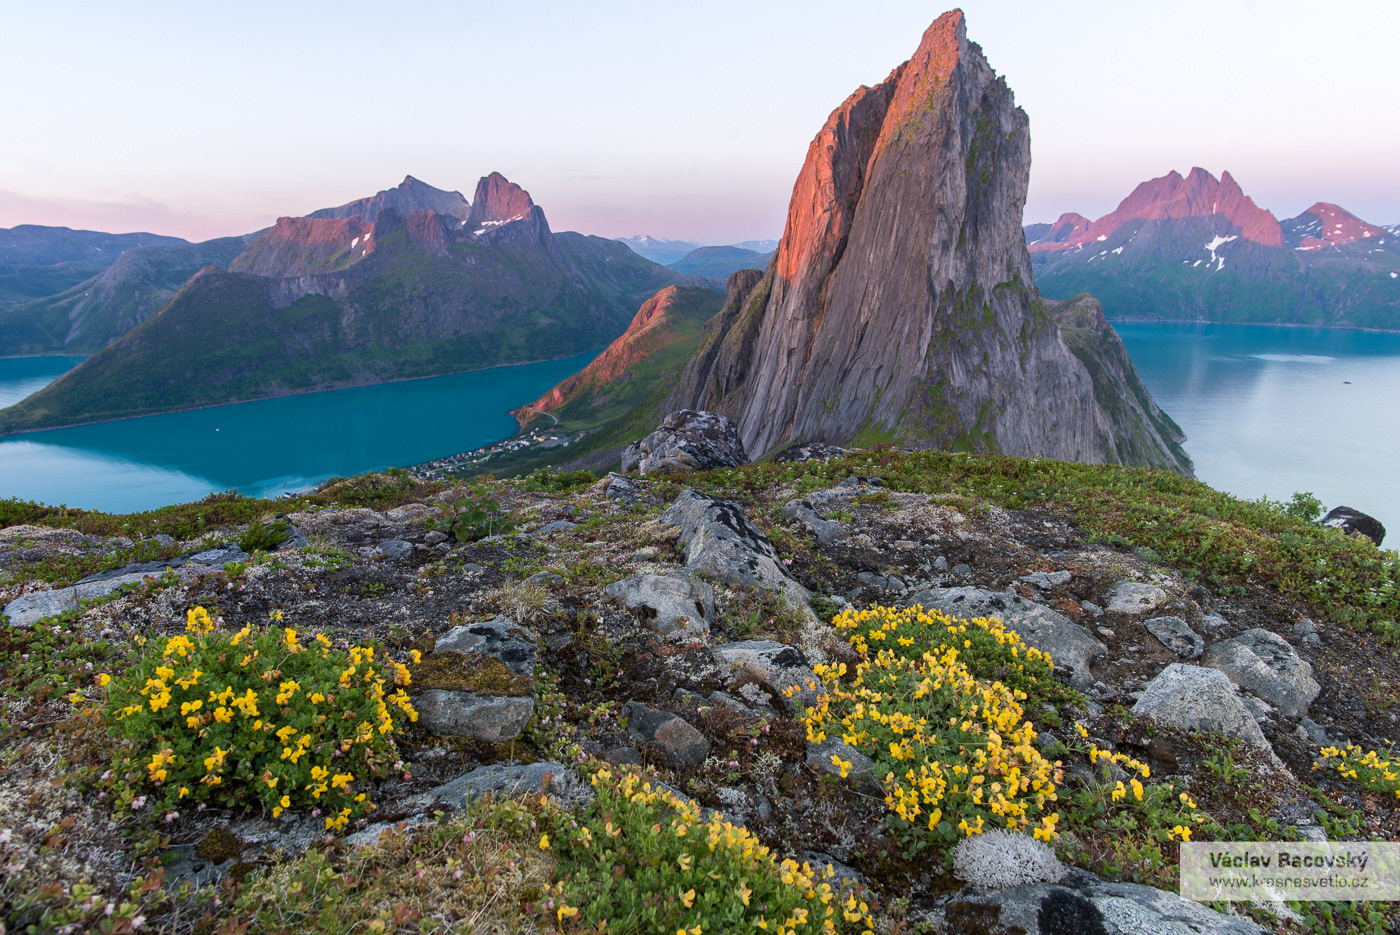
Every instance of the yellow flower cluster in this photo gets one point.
(183, 703)
(824, 908)
(957, 749)
(1365, 766)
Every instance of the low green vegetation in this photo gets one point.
(472, 517)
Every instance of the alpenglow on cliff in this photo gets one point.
(900, 306)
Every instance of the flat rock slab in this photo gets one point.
(1134, 597)
(672, 602)
(1047, 580)
(493, 718)
(1200, 699)
(681, 745)
(1069, 645)
(719, 541)
(547, 777)
(782, 667)
(27, 610)
(1082, 904)
(1265, 664)
(1175, 634)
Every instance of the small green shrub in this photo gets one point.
(553, 480)
(254, 717)
(642, 860)
(473, 517)
(1304, 506)
(264, 536)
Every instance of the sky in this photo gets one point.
(680, 120)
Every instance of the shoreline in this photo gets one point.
(1244, 324)
(259, 399)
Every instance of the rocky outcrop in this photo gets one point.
(719, 540)
(686, 441)
(1199, 699)
(668, 603)
(306, 247)
(899, 306)
(1263, 663)
(1354, 522)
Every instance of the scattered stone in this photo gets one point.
(841, 874)
(962, 568)
(434, 537)
(1260, 709)
(719, 541)
(501, 638)
(671, 602)
(623, 756)
(615, 487)
(1134, 597)
(1082, 903)
(826, 531)
(1067, 643)
(1176, 635)
(548, 777)
(781, 668)
(1354, 522)
(1200, 699)
(680, 745)
(1091, 608)
(1107, 633)
(1264, 663)
(559, 525)
(394, 548)
(861, 770)
(811, 451)
(1214, 622)
(1312, 732)
(1315, 833)
(1304, 627)
(466, 714)
(940, 564)
(686, 440)
(725, 700)
(542, 579)
(410, 511)
(1047, 580)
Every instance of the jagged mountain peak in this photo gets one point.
(1328, 225)
(409, 195)
(499, 200)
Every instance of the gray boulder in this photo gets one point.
(29, 609)
(1047, 580)
(615, 487)
(1263, 663)
(1068, 644)
(548, 777)
(1082, 904)
(1354, 522)
(680, 745)
(1175, 634)
(1199, 699)
(826, 531)
(478, 682)
(671, 602)
(394, 548)
(719, 541)
(1134, 597)
(686, 440)
(781, 667)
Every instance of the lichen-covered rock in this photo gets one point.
(1354, 522)
(781, 667)
(686, 441)
(676, 601)
(1199, 699)
(503, 779)
(719, 541)
(826, 531)
(1263, 663)
(30, 608)
(680, 745)
(1070, 646)
(1082, 904)
(1134, 597)
(860, 772)
(1176, 635)
(478, 681)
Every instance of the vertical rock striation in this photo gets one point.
(899, 306)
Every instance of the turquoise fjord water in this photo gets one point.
(261, 448)
(1267, 411)
(1271, 410)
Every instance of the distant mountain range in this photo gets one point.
(1199, 249)
(697, 259)
(411, 282)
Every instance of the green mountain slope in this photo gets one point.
(37, 261)
(428, 299)
(720, 261)
(89, 316)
